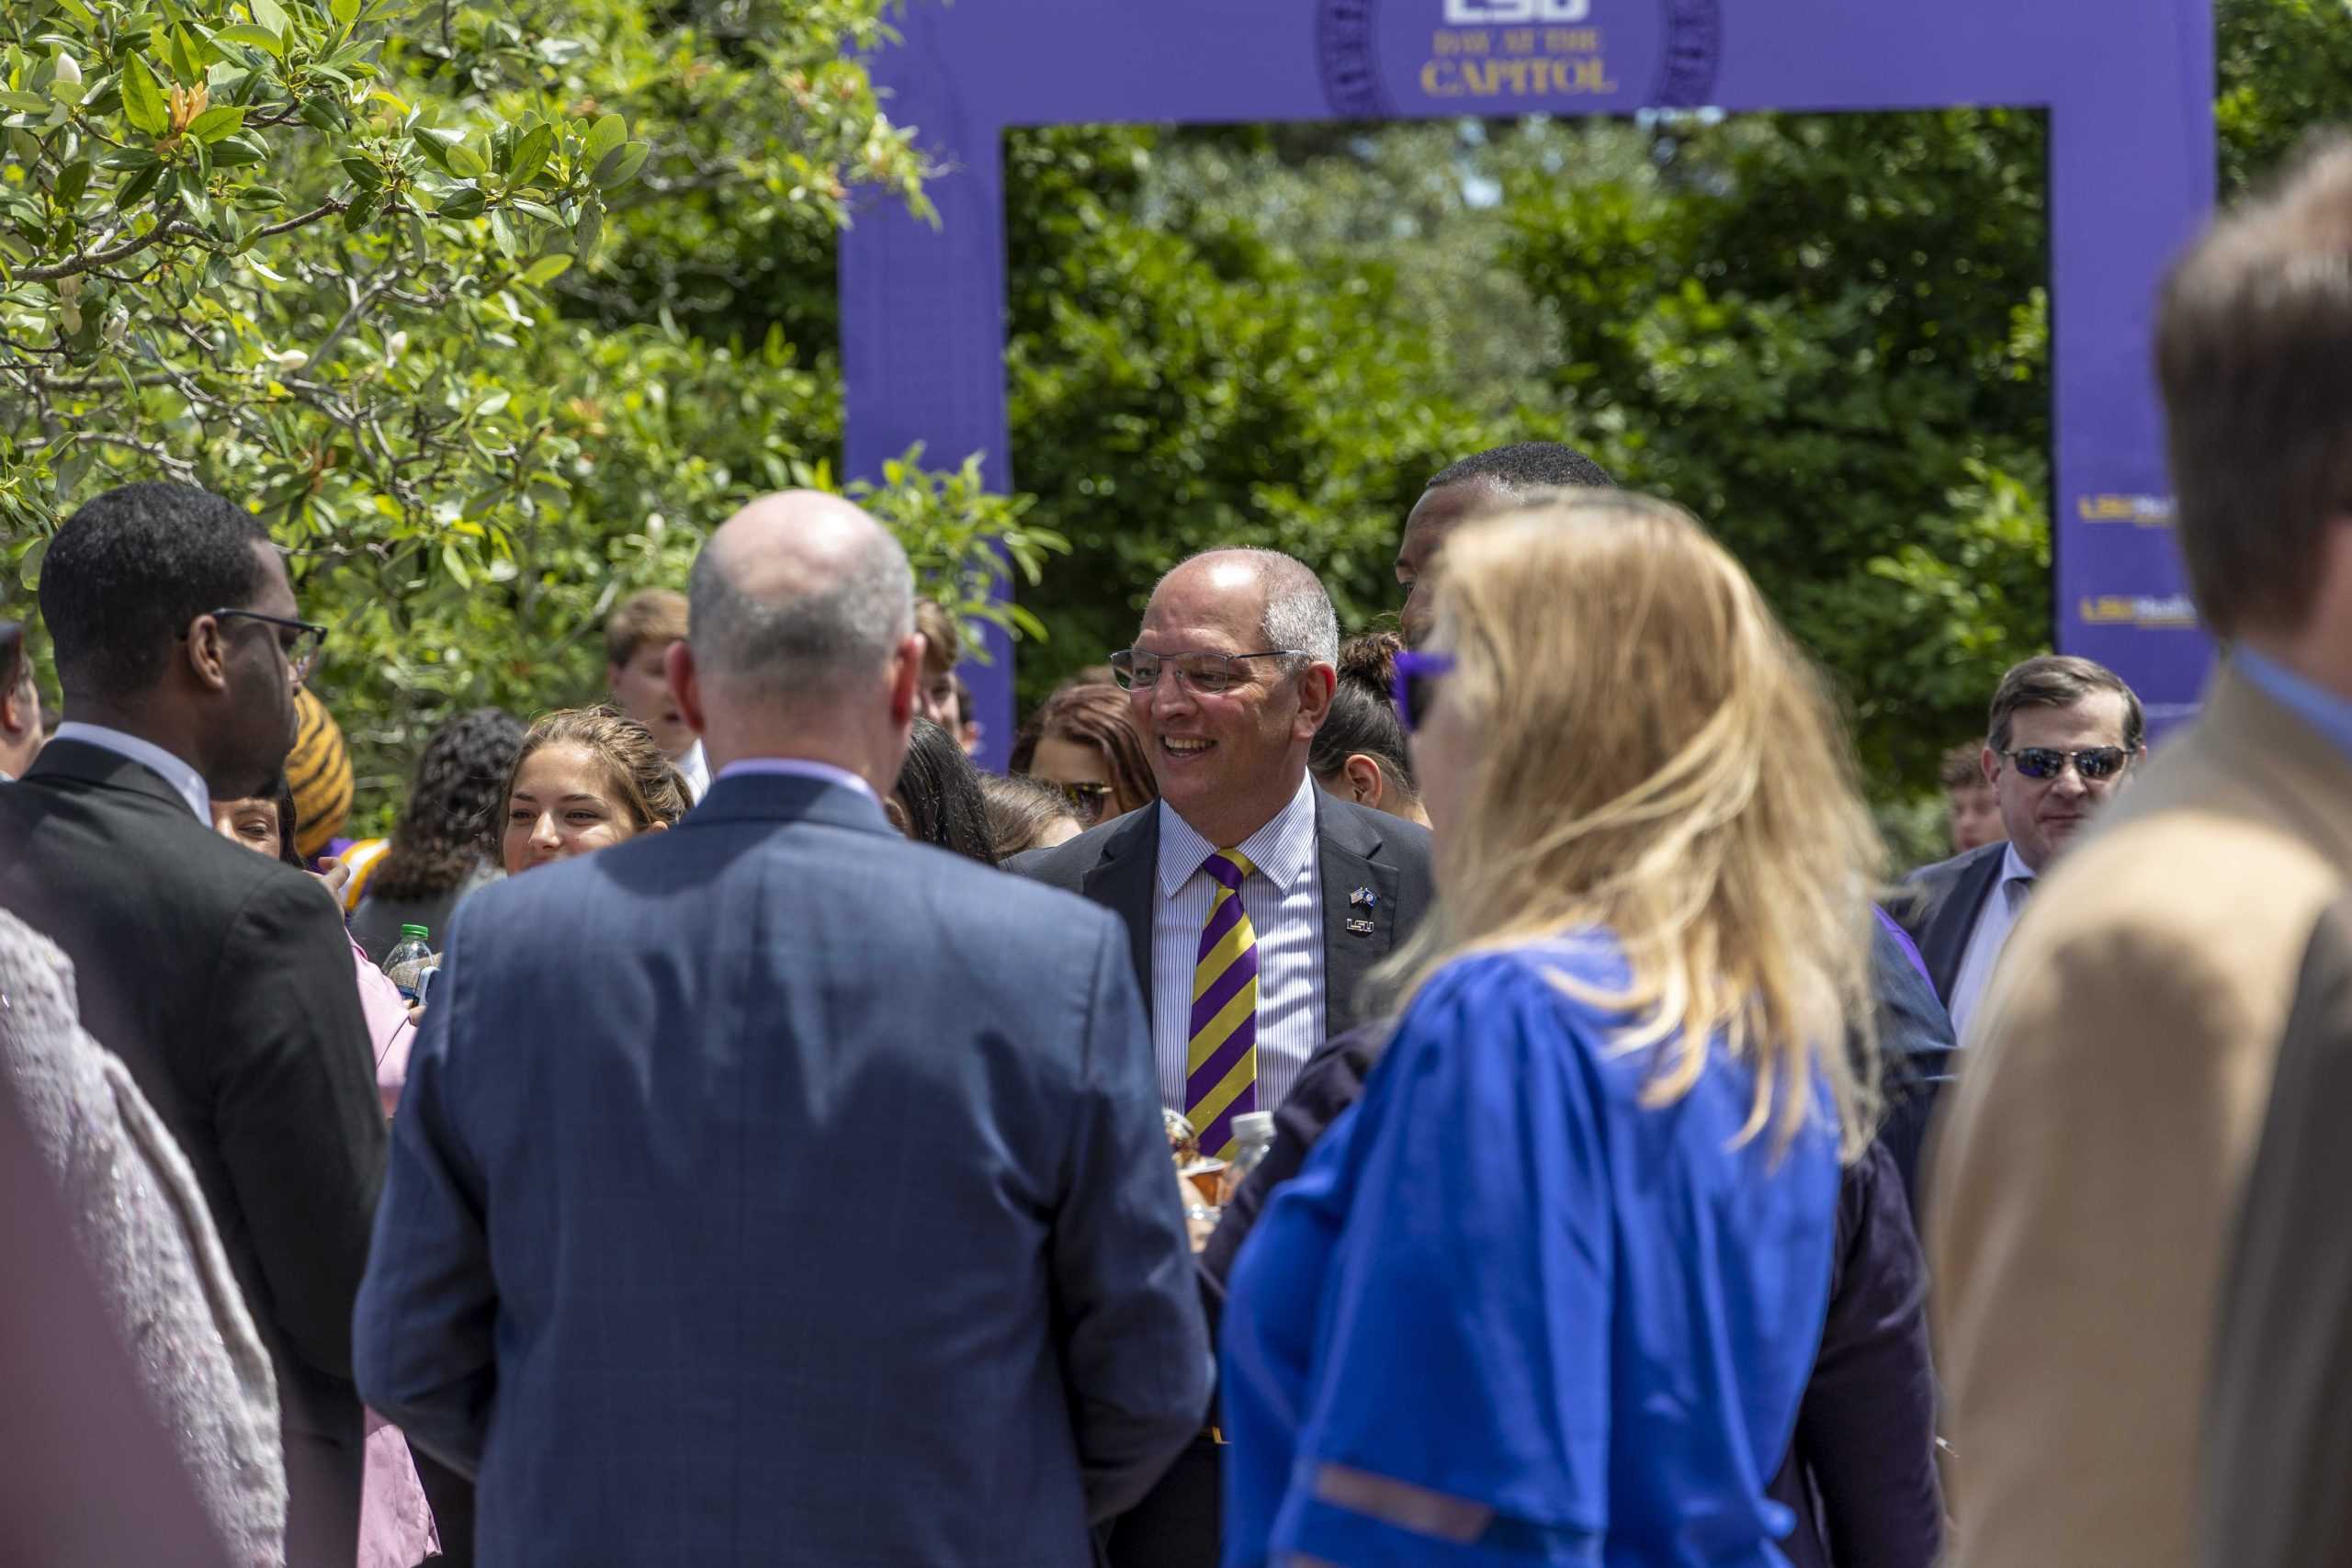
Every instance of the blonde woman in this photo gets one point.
(1550, 1293)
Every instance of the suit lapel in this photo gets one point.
(1946, 945)
(1125, 881)
(1347, 842)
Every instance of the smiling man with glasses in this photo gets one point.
(2064, 736)
(1256, 905)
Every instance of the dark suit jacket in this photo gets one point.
(1939, 907)
(224, 980)
(1861, 1472)
(775, 1191)
(1117, 865)
(2276, 1449)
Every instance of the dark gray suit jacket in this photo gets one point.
(2277, 1440)
(1939, 904)
(225, 982)
(775, 1191)
(1118, 866)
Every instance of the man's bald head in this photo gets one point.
(801, 594)
(1296, 612)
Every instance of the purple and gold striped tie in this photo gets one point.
(1221, 1068)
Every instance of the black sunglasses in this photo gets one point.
(301, 649)
(2047, 763)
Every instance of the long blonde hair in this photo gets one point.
(1656, 757)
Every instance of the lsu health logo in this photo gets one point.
(2143, 511)
(2146, 611)
(1505, 13)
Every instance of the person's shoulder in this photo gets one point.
(1015, 908)
(1364, 827)
(1564, 983)
(1064, 865)
(1943, 873)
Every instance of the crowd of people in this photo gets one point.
(1462, 1093)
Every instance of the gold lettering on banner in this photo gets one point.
(1533, 64)
(1514, 78)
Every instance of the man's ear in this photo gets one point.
(1314, 691)
(207, 654)
(613, 678)
(906, 681)
(685, 682)
(1989, 760)
(1367, 786)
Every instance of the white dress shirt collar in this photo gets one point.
(1283, 850)
(796, 768)
(692, 767)
(173, 769)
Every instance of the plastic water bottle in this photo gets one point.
(1253, 1136)
(407, 963)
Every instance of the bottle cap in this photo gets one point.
(1254, 1127)
(415, 934)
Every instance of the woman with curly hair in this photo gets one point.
(436, 855)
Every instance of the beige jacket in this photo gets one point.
(2110, 1092)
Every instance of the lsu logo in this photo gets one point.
(2145, 611)
(1502, 12)
(2146, 511)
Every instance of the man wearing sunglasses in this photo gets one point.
(220, 978)
(2062, 738)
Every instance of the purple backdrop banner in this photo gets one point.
(2128, 84)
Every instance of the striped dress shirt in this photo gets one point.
(1284, 900)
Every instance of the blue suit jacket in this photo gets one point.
(775, 1191)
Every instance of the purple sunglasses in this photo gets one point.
(1414, 687)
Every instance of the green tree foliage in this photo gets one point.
(353, 262)
(2286, 70)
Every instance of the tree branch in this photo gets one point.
(178, 466)
(166, 226)
(324, 209)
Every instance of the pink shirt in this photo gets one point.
(390, 1033)
(395, 1521)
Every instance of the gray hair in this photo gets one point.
(814, 642)
(1298, 612)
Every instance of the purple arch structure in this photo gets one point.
(2127, 85)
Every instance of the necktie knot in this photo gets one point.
(1230, 867)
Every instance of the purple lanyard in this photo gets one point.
(1910, 950)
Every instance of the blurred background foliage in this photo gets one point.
(1826, 335)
